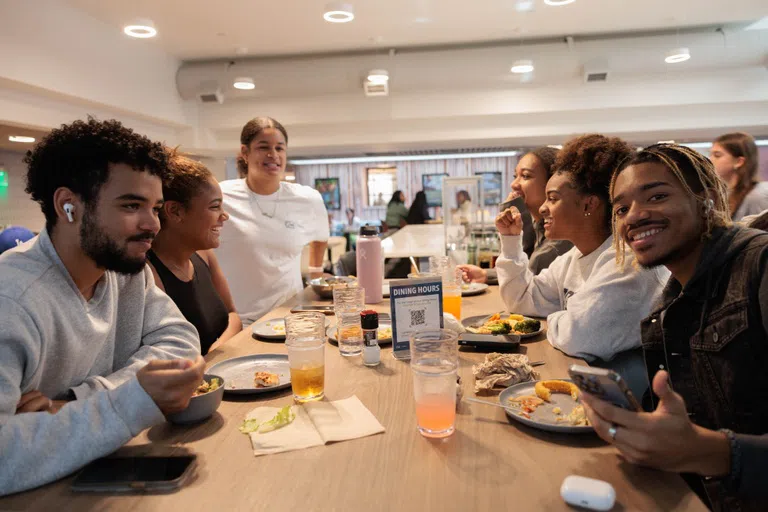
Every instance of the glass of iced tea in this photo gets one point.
(305, 343)
(435, 364)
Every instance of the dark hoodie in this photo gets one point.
(712, 337)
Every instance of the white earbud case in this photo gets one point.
(588, 493)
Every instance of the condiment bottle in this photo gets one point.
(369, 320)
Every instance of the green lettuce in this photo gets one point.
(284, 417)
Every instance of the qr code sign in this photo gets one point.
(418, 317)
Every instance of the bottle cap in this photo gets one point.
(369, 230)
(369, 319)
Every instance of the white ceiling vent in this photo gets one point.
(595, 72)
(376, 89)
(212, 95)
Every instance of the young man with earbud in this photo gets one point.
(91, 351)
(706, 345)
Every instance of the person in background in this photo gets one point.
(380, 200)
(353, 221)
(706, 344)
(396, 211)
(84, 331)
(464, 206)
(270, 223)
(182, 260)
(419, 211)
(13, 236)
(593, 306)
(531, 176)
(736, 161)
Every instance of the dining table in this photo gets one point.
(490, 463)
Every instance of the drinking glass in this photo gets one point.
(348, 303)
(452, 282)
(305, 343)
(435, 364)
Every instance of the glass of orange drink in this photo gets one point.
(435, 363)
(305, 343)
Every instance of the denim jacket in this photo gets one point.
(712, 338)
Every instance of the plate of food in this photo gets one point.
(270, 330)
(550, 405)
(503, 323)
(254, 374)
(470, 289)
(384, 334)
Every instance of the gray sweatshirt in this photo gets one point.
(54, 341)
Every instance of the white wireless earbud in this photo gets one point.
(708, 205)
(68, 209)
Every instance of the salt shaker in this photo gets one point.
(369, 320)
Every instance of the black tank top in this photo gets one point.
(197, 299)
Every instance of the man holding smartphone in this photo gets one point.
(84, 331)
(706, 346)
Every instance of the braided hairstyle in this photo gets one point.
(698, 177)
(590, 161)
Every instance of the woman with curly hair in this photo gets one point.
(182, 258)
(593, 306)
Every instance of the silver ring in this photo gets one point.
(612, 431)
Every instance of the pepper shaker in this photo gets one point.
(369, 321)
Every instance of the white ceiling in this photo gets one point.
(201, 29)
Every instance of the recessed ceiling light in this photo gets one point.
(339, 12)
(378, 76)
(142, 29)
(678, 55)
(557, 3)
(525, 5)
(21, 138)
(244, 83)
(522, 66)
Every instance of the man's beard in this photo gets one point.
(105, 252)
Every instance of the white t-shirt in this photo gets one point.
(261, 243)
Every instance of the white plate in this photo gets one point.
(543, 418)
(238, 372)
(474, 320)
(473, 289)
(271, 330)
(330, 331)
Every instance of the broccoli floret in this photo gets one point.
(500, 328)
(528, 326)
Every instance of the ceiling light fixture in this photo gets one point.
(522, 66)
(558, 3)
(141, 29)
(378, 76)
(244, 83)
(339, 12)
(21, 138)
(525, 5)
(678, 55)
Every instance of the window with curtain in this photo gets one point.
(381, 183)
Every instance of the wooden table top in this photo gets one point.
(490, 463)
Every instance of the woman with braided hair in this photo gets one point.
(592, 305)
(706, 345)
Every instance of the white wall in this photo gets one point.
(58, 64)
(16, 207)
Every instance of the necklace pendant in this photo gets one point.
(267, 215)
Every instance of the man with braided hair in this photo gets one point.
(706, 345)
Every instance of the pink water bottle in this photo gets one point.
(370, 264)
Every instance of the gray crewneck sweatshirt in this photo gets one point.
(53, 340)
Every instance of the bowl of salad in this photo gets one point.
(204, 402)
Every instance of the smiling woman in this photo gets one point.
(181, 258)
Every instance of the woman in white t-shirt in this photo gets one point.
(270, 223)
(593, 306)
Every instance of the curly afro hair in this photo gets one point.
(590, 160)
(77, 156)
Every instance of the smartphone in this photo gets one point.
(328, 310)
(604, 384)
(136, 474)
(484, 341)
